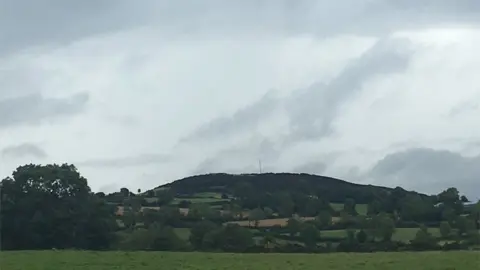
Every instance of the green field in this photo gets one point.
(78, 260)
(196, 200)
(361, 208)
(401, 234)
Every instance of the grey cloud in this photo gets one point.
(466, 106)
(140, 160)
(317, 168)
(429, 170)
(23, 150)
(109, 188)
(313, 110)
(245, 118)
(35, 108)
(238, 158)
(50, 22)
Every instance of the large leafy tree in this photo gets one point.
(52, 207)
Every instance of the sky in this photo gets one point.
(138, 94)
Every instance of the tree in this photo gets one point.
(51, 206)
(200, 211)
(242, 190)
(129, 219)
(150, 216)
(165, 239)
(164, 197)
(256, 215)
(374, 208)
(417, 208)
(387, 228)
(349, 207)
(157, 237)
(230, 238)
(269, 241)
(284, 204)
(473, 236)
(382, 226)
(293, 226)
(461, 224)
(448, 214)
(236, 210)
(423, 239)
(445, 229)
(451, 198)
(268, 212)
(150, 194)
(351, 236)
(324, 219)
(184, 204)
(198, 232)
(475, 214)
(125, 192)
(309, 235)
(361, 236)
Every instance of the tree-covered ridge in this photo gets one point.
(52, 206)
(332, 189)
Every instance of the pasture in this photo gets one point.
(87, 260)
(401, 234)
(361, 208)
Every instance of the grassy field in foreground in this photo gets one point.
(78, 260)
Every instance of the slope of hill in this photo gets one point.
(332, 189)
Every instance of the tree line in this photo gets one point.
(52, 206)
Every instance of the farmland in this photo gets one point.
(79, 260)
(361, 208)
(267, 213)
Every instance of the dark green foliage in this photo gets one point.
(51, 206)
(361, 236)
(198, 232)
(255, 215)
(349, 207)
(330, 189)
(309, 235)
(445, 229)
(324, 219)
(230, 238)
(424, 240)
(156, 237)
(293, 226)
(164, 197)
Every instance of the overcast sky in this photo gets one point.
(140, 93)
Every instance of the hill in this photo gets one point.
(332, 189)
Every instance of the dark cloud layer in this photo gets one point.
(53, 22)
(34, 108)
(23, 150)
(429, 170)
